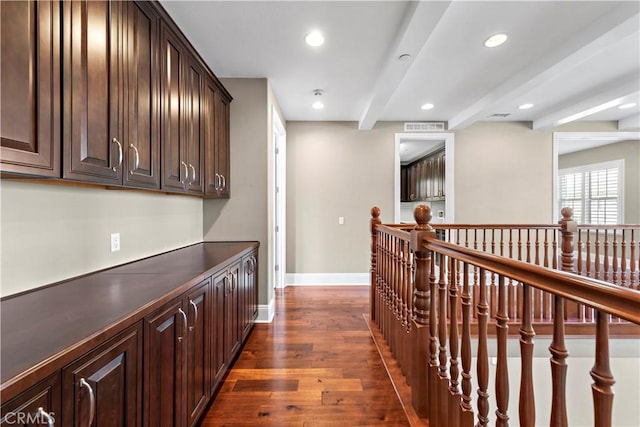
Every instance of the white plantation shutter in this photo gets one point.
(593, 191)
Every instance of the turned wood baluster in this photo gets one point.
(375, 221)
(601, 373)
(559, 354)
(483, 356)
(605, 267)
(466, 416)
(554, 257)
(623, 259)
(442, 340)
(422, 310)
(596, 263)
(408, 297)
(527, 403)
(433, 346)
(634, 264)
(395, 294)
(454, 371)
(379, 286)
(615, 257)
(502, 372)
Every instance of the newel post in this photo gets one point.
(568, 227)
(421, 309)
(375, 221)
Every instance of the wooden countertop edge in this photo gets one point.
(22, 381)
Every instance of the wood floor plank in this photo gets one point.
(314, 365)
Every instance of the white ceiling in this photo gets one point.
(564, 57)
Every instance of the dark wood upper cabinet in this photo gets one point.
(111, 115)
(105, 387)
(424, 179)
(93, 91)
(142, 121)
(193, 146)
(216, 142)
(30, 87)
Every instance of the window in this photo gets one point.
(593, 191)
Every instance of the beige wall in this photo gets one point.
(244, 215)
(51, 233)
(335, 170)
(629, 151)
(503, 174)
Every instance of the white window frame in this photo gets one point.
(596, 167)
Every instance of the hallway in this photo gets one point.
(314, 365)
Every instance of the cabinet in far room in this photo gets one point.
(424, 179)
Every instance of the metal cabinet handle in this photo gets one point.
(92, 401)
(115, 141)
(46, 416)
(217, 182)
(224, 182)
(195, 313)
(186, 172)
(193, 172)
(184, 317)
(137, 161)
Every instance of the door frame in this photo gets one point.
(278, 195)
(448, 138)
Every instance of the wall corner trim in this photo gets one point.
(266, 311)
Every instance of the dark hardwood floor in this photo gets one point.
(314, 365)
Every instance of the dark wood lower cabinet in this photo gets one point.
(39, 405)
(104, 388)
(161, 370)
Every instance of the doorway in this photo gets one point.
(279, 201)
(428, 141)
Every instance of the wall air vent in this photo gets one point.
(499, 115)
(424, 126)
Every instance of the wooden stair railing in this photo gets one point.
(419, 277)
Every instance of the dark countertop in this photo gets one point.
(46, 325)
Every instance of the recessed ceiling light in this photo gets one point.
(404, 57)
(625, 106)
(314, 38)
(495, 40)
(427, 106)
(318, 105)
(525, 106)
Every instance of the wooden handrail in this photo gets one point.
(489, 284)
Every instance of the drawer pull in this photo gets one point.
(92, 401)
(184, 317)
(195, 312)
(137, 161)
(115, 141)
(42, 413)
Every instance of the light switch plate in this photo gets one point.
(115, 242)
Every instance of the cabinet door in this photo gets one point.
(165, 336)
(249, 305)
(194, 126)
(174, 166)
(223, 140)
(142, 120)
(104, 388)
(219, 326)
(443, 174)
(197, 304)
(40, 405)
(30, 87)
(93, 96)
(231, 307)
(212, 178)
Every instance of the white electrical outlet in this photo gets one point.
(341, 220)
(115, 242)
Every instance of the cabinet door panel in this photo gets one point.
(30, 87)
(198, 348)
(142, 119)
(222, 141)
(219, 326)
(232, 304)
(211, 183)
(92, 91)
(193, 137)
(114, 374)
(165, 333)
(172, 64)
(45, 395)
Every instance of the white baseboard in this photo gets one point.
(327, 279)
(266, 311)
